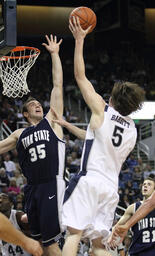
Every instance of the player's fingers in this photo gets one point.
(44, 44)
(71, 24)
(115, 234)
(47, 38)
(111, 245)
(71, 27)
(88, 29)
(75, 21)
(51, 37)
(55, 39)
(60, 41)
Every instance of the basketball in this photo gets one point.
(86, 16)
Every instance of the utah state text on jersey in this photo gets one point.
(34, 137)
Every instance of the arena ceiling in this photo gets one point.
(75, 3)
(60, 3)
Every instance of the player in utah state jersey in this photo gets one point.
(15, 218)
(147, 207)
(41, 153)
(91, 198)
(143, 232)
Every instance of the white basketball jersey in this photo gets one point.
(11, 249)
(107, 147)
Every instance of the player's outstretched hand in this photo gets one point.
(33, 247)
(113, 240)
(118, 234)
(121, 231)
(76, 28)
(52, 45)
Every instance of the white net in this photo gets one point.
(14, 69)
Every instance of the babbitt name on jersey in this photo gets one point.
(120, 120)
(34, 137)
(146, 223)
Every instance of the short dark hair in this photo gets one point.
(24, 108)
(149, 178)
(127, 97)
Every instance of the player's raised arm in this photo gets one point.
(93, 100)
(56, 100)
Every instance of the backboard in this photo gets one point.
(8, 28)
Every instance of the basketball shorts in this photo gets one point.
(89, 205)
(149, 252)
(44, 208)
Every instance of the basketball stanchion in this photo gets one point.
(14, 69)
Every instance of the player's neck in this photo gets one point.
(34, 121)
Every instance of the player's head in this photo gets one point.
(148, 187)
(5, 204)
(32, 110)
(127, 97)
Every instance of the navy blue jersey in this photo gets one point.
(41, 153)
(143, 234)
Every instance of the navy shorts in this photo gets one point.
(42, 211)
(149, 252)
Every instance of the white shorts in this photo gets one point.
(90, 205)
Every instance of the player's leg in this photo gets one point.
(49, 218)
(98, 249)
(71, 244)
(52, 250)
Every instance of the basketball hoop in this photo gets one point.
(14, 69)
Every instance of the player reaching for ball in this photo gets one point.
(41, 154)
(91, 197)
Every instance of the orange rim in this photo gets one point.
(20, 49)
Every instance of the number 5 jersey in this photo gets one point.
(91, 197)
(107, 147)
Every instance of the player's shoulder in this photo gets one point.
(17, 133)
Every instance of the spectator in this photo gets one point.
(9, 165)
(148, 171)
(3, 177)
(13, 189)
(137, 175)
(19, 178)
(131, 161)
